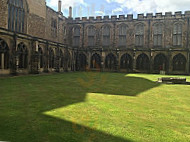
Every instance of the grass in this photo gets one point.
(93, 107)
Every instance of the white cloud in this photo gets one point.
(120, 10)
(99, 13)
(66, 3)
(145, 6)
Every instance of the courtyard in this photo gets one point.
(93, 107)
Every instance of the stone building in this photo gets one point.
(34, 39)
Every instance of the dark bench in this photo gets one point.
(173, 80)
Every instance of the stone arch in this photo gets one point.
(61, 58)
(4, 55)
(179, 62)
(22, 55)
(41, 56)
(110, 62)
(95, 61)
(143, 62)
(160, 62)
(51, 58)
(126, 61)
(81, 62)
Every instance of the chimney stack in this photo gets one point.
(70, 12)
(59, 6)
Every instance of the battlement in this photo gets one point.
(130, 17)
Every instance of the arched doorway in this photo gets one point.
(143, 63)
(41, 59)
(51, 58)
(81, 62)
(179, 63)
(4, 55)
(126, 62)
(61, 59)
(110, 62)
(95, 61)
(160, 63)
(23, 56)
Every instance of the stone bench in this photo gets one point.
(173, 80)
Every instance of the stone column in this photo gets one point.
(2, 61)
(134, 61)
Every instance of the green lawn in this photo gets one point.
(93, 107)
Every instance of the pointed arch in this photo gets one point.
(110, 62)
(96, 61)
(81, 62)
(126, 62)
(51, 58)
(22, 55)
(41, 57)
(160, 62)
(179, 62)
(4, 55)
(142, 62)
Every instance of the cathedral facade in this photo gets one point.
(34, 38)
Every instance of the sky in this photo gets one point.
(86, 8)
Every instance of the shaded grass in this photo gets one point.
(93, 107)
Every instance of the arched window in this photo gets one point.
(16, 15)
(51, 58)
(4, 55)
(122, 35)
(139, 35)
(91, 35)
(106, 35)
(110, 62)
(40, 52)
(126, 62)
(177, 34)
(157, 34)
(62, 59)
(76, 36)
(23, 56)
(179, 63)
(96, 61)
(143, 62)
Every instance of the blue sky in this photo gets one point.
(82, 8)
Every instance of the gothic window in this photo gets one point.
(4, 55)
(91, 36)
(76, 36)
(106, 35)
(54, 28)
(157, 34)
(139, 35)
(40, 57)
(177, 34)
(179, 63)
(16, 15)
(51, 58)
(126, 62)
(122, 35)
(23, 56)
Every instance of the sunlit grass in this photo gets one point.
(93, 107)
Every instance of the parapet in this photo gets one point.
(130, 17)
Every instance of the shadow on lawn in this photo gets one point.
(21, 118)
